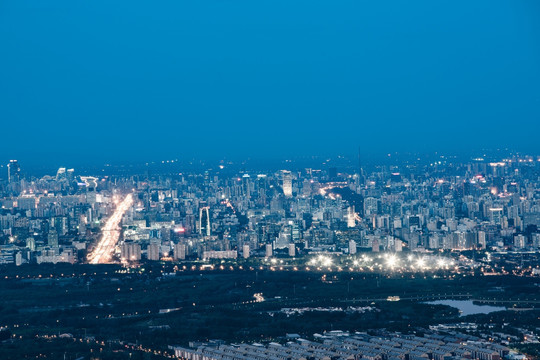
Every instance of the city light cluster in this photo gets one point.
(387, 262)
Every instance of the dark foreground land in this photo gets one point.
(109, 312)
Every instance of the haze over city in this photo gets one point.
(284, 180)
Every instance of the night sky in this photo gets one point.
(138, 80)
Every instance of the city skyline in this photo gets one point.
(350, 163)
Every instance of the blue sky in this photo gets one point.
(130, 80)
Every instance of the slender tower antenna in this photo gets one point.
(360, 172)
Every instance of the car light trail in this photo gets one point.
(104, 250)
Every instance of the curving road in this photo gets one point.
(102, 253)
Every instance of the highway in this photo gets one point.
(102, 253)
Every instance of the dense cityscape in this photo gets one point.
(444, 220)
(309, 214)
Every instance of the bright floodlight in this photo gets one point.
(392, 261)
(440, 263)
(326, 261)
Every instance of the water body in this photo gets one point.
(466, 307)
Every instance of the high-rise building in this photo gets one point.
(375, 245)
(180, 252)
(61, 224)
(61, 173)
(31, 244)
(204, 221)
(246, 186)
(434, 241)
(14, 171)
(371, 206)
(536, 240)
(18, 259)
(268, 250)
(496, 215)
(350, 217)
(306, 187)
(152, 252)
(52, 238)
(352, 247)
(292, 250)
(519, 242)
(245, 251)
(131, 251)
(287, 183)
(482, 239)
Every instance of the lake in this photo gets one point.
(466, 307)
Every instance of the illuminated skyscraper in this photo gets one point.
(287, 183)
(14, 171)
(246, 185)
(204, 221)
(350, 217)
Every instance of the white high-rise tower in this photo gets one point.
(287, 183)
